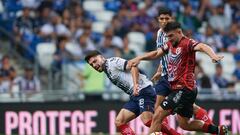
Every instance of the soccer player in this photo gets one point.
(181, 64)
(161, 76)
(128, 79)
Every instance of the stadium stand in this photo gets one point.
(98, 21)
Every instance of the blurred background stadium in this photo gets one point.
(43, 43)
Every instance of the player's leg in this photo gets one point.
(129, 112)
(157, 120)
(146, 118)
(162, 89)
(201, 114)
(165, 109)
(121, 122)
(159, 100)
(194, 125)
(201, 126)
(145, 102)
(185, 111)
(184, 115)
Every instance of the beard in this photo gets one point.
(175, 43)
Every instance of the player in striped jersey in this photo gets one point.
(162, 86)
(133, 83)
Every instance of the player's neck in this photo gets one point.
(181, 37)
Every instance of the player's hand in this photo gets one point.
(217, 59)
(134, 62)
(156, 77)
(136, 90)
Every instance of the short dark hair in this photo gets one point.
(164, 10)
(91, 54)
(172, 26)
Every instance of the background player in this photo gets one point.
(162, 87)
(181, 64)
(142, 94)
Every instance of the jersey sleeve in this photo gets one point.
(161, 39)
(119, 63)
(158, 44)
(192, 44)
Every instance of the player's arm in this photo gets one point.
(135, 76)
(157, 75)
(209, 51)
(147, 56)
(152, 55)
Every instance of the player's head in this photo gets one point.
(173, 32)
(164, 16)
(95, 59)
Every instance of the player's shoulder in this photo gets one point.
(160, 32)
(114, 59)
(189, 41)
(192, 41)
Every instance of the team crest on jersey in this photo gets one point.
(178, 50)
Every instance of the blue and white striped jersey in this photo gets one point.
(161, 40)
(115, 69)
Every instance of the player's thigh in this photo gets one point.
(124, 116)
(159, 100)
(160, 114)
(168, 104)
(186, 101)
(183, 121)
(146, 116)
(195, 108)
(146, 100)
(162, 87)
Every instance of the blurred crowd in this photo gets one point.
(71, 26)
(12, 83)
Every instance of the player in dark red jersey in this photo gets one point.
(162, 86)
(181, 64)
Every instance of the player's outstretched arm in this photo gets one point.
(147, 56)
(135, 76)
(209, 51)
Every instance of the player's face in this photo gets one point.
(174, 37)
(163, 19)
(97, 62)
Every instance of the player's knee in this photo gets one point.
(146, 118)
(119, 122)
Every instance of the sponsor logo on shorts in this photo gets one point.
(177, 97)
(165, 103)
(141, 103)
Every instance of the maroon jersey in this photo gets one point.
(181, 63)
